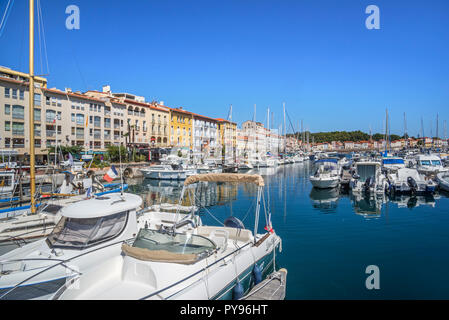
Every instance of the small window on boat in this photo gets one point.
(52, 208)
(425, 162)
(81, 233)
(436, 162)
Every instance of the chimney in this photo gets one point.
(68, 90)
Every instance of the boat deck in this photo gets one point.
(272, 288)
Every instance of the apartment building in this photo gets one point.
(181, 128)
(205, 135)
(62, 118)
(228, 137)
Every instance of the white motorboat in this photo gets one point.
(89, 232)
(443, 180)
(407, 180)
(368, 178)
(167, 172)
(327, 174)
(429, 164)
(208, 262)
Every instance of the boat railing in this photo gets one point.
(59, 262)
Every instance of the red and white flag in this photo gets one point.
(111, 174)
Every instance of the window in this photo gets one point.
(47, 101)
(37, 130)
(73, 117)
(7, 92)
(7, 125)
(79, 118)
(7, 109)
(59, 115)
(18, 112)
(14, 93)
(18, 128)
(37, 99)
(37, 114)
(21, 94)
(50, 116)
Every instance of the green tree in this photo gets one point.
(113, 154)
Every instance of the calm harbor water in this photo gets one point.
(329, 238)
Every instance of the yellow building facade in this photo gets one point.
(181, 128)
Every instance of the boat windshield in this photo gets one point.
(366, 171)
(179, 243)
(79, 233)
(425, 162)
(436, 162)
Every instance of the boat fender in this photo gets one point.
(257, 274)
(237, 292)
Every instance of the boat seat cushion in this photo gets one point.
(244, 235)
(159, 255)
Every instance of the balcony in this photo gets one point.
(19, 145)
(97, 146)
(97, 136)
(116, 137)
(50, 133)
(97, 124)
(37, 133)
(116, 125)
(80, 135)
(107, 137)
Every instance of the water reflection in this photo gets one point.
(201, 194)
(325, 200)
(413, 202)
(367, 206)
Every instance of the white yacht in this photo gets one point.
(408, 180)
(443, 180)
(429, 164)
(327, 174)
(89, 233)
(207, 262)
(167, 172)
(368, 178)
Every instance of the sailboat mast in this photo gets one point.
(285, 131)
(31, 109)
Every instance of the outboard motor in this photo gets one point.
(412, 184)
(368, 183)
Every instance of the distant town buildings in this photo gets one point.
(95, 120)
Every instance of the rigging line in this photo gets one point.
(209, 212)
(45, 42)
(39, 35)
(6, 15)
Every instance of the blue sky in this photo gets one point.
(316, 56)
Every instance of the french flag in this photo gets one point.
(111, 174)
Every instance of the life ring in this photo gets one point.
(128, 173)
